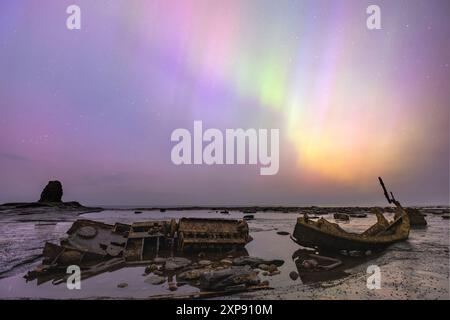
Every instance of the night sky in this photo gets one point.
(95, 108)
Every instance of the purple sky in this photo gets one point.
(95, 108)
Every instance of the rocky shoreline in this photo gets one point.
(50, 202)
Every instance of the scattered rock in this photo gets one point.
(265, 273)
(176, 263)
(158, 272)
(248, 217)
(155, 280)
(272, 268)
(204, 263)
(341, 216)
(226, 261)
(151, 268)
(368, 253)
(275, 273)
(293, 275)
(173, 286)
(283, 233)
(355, 253)
(358, 215)
(217, 280)
(122, 285)
(254, 262)
(191, 274)
(137, 212)
(263, 267)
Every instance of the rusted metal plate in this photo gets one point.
(204, 233)
(87, 232)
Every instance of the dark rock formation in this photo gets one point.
(49, 203)
(416, 218)
(255, 262)
(52, 192)
(234, 276)
(341, 216)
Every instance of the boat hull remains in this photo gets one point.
(327, 235)
(323, 234)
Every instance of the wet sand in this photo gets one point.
(415, 269)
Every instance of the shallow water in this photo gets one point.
(417, 268)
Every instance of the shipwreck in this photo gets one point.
(327, 235)
(99, 247)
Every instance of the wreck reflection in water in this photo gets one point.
(317, 266)
(185, 269)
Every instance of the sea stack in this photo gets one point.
(52, 192)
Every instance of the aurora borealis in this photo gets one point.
(95, 107)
